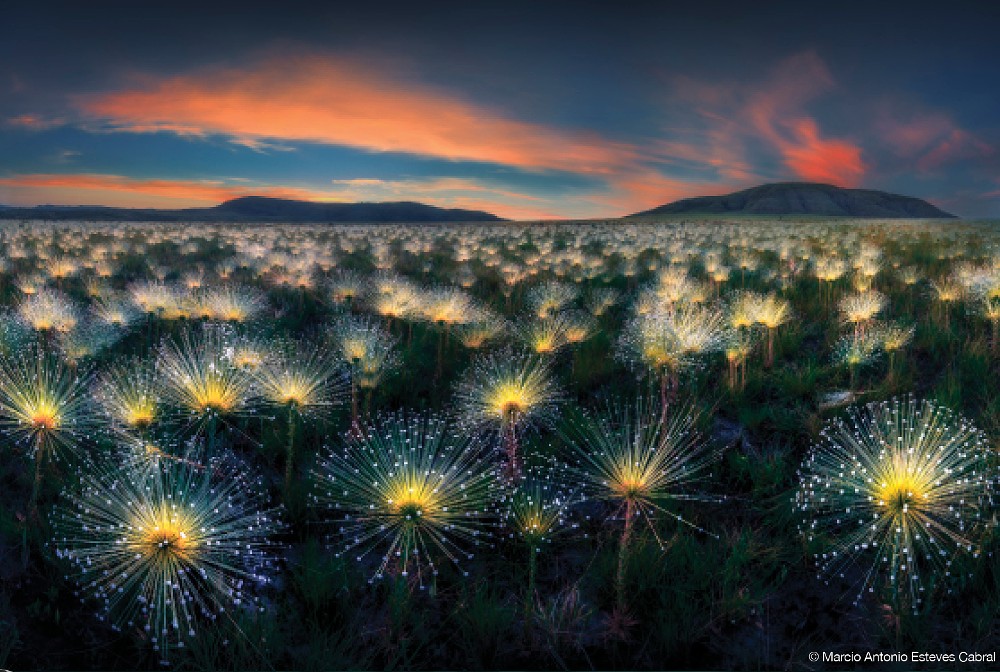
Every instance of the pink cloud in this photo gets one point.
(930, 139)
(777, 113)
(772, 111)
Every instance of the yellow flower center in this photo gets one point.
(509, 398)
(902, 492)
(355, 350)
(170, 538)
(213, 394)
(140, 417)
(412, 501)
(45, 419)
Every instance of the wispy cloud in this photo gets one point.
(930, 140)
(119, 190)
(34, 122)
(771, 112)
(320, 99)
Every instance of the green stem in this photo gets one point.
(770, 348)
(37, 485)
(440, 355)
(354, 403)
(25, 551)
(664, 401)
(530, 594)
(290, 457)
(623, 556)
(512, 449)
(210, 439)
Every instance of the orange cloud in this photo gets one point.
(116, 190)
(315, 98)
(817, 160)
(310, 98)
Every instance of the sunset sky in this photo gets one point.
(527, 110)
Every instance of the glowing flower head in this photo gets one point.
(43, 402)
(862, 307)
(367, 348)
(165, 546)
(507, 388)
(200, 376)
(638, 462)
(301, 376)
(899, 490)
(549, 298)
(409, 493)
(49, 310)
(129, 393)
(675, 340)
(539, 509)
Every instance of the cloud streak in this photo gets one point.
(119, 190)
(928, 140)
(319, 99)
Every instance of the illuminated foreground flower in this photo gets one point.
(671, 342)
(43, 406)
(638, 461)
(304, 380)
(508, 392)
(900, 490)
(414, 491)
(537, 513)
(201, 378)
(166, 546)
(129, 393)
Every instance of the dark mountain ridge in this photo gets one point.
(805, 198)
(259, 209)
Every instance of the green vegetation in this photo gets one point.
(494, 446)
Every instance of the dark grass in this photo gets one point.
(742, 596)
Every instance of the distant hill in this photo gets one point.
(259, 209)
(805, 198)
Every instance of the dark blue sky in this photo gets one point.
(526, 109)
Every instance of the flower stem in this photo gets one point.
(623, 556)
(290, 457)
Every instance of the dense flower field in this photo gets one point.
(599, 445)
